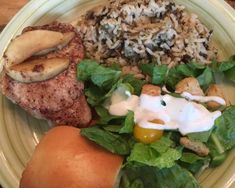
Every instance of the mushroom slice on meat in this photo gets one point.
(37, 70)
(32, 42)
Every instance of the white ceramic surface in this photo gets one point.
(19, 132)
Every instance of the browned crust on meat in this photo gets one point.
(72, 114)
(60, 99)
(54, 26)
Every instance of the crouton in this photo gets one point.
(150, 89)
(198, 147)
(190, 85)
(214, 90)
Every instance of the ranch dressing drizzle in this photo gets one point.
(121, 108)
(203, 98)
(177, 113)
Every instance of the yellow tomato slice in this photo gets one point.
(148, 136)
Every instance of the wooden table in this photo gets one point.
(8, 9)
(231, 2)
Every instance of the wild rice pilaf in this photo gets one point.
(129, 32)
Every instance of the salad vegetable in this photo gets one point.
(155, 156)
(147, 135)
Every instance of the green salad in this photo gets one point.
(161, 160)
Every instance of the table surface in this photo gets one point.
(8, 9)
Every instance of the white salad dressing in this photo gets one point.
(203, 98)
(177, 113)
(121, 108)
(122, 101)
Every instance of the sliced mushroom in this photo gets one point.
(37, 70)
(214, 90)
(66, 39)
(190, 85)
(29, 43)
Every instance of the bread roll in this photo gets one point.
(64, 159)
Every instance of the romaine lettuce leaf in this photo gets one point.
(186, 70)
(223, 135)
(105, 77)
(90, 70)
(128, 123)
(222, 138)
(230, 74)
(200, 136)
(206, 78)
(134, 82)
(94, 94)
(159, 74)
(112, 128)
(104, 116)
(147, 68)
(85, 69)
(224, 65)
(162, 145)
(112, 142)
(193, 162)
(160, 155)
(190, 157)
(173, 77)
(151, 177)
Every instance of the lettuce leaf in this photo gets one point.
(90, 70)
(128, 123)
(227, 67)
(223, 135)
(222, 138)
(193, 162)
(105, 77)
(159, 154)
(104, 116)
(223, 65)
(190, 157)
(134, 82)
(200, 136)
(162, 145)
(147, 68)
(159, 74)
(187, 70)
(174, 76)
(206, 78)
(230, 74)
(175, 176)
(112, 128)
(94, 95)
(85, 69)
(112, 142)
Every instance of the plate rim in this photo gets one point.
(31, 5)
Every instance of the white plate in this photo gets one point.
(19, 132)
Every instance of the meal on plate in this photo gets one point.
(135, 83)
